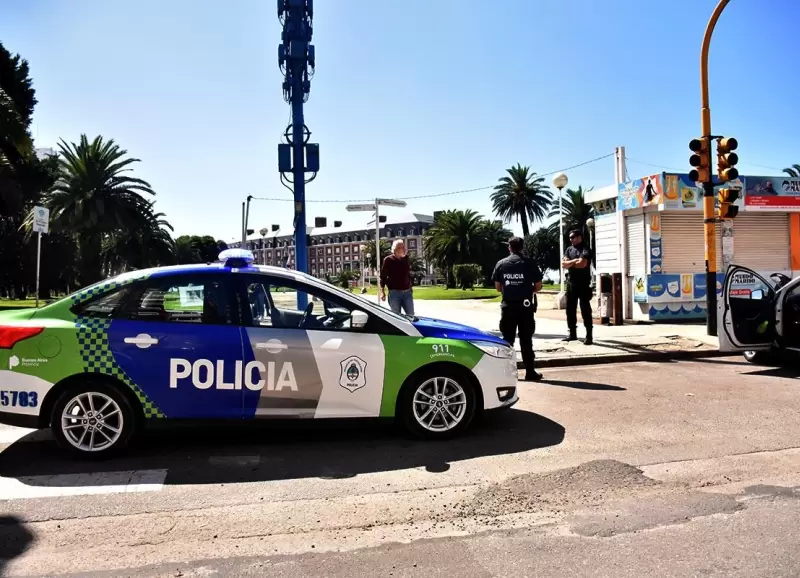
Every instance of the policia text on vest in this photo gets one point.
(518, 278)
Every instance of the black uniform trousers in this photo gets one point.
(579, 293)
(514, 317)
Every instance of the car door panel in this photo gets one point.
(281, 375)
(188, 370)
(179, 341)
(351, 366)
(746, 314)
(337, 371)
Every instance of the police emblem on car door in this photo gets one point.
(354, 373)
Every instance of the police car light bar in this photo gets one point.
(236, 257)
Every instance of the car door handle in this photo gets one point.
(271, 345)
(141, 340)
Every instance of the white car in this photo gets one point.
(758, 316)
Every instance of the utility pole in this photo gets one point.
(705, 176)
(296, 157)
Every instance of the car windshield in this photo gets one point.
(368, 303)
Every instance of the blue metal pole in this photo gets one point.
(296, 56)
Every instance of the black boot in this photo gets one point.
(589, 339)
(573, 336)
(532, 375)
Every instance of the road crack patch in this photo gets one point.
(589, 484)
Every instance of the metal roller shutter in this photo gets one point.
(683, 243)
(634, 228)
(761, 241)
(606, 244)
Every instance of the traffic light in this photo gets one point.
(727, 159)
(700, 160)
(726, 198)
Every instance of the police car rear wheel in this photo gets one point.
(93, 421)
(438, 405)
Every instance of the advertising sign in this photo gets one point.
(772, 194)
(640, 289)
(680, 288)
(683, 193)
(645, 192)
(655, 243)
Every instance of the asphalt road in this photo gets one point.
(671, 469)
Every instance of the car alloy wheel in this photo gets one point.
(439, 404)
(92, 422)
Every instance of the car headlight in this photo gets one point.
(495, 349)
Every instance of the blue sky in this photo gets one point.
(410, 98)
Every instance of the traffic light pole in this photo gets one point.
(708, 186)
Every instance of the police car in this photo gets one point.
(234, 340)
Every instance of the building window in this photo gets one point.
(388, 233)
(337, 250)
(347, 249)
(355, 249)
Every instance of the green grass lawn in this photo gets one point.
(439, 292)
(19, 303)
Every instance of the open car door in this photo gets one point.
(746, 315)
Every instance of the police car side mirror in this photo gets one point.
(358, 319)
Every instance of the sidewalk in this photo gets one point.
(634, 342)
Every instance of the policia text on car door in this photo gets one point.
(518, 278)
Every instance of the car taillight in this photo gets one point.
(10, 336)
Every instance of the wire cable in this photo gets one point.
(431, 196)
(627, 158)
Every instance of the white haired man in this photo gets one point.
(396, 277)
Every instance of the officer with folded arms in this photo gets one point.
(518, 279)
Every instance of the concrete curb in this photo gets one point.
(627, 358)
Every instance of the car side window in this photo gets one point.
(185, 299)
(107, 304)
(273, 303)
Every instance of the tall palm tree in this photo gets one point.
(147, 243)
(521, 195)
(455, 237)
(369, 248)
(94, 199)
(576, 213)
(793, 171)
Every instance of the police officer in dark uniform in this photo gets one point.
(577, 263)
(518, 278)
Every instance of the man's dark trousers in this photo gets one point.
(579, 293)
(517, 317)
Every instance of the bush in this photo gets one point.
(467, 274)
(344, 279)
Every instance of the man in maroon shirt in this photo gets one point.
(396, 276)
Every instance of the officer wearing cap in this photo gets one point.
(518, 279)
(577, 263)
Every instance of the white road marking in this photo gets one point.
(28, 487)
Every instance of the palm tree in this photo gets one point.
(96, 201)
(521, 195)
(455, 237)
(576, 213)
(369, 248)
(147, 243)
(793, 171)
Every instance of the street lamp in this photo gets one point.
(376, 207)
(362, 257)
(560, 181)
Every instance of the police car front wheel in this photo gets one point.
(438, 405)
(93, 421)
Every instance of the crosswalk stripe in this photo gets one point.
(28, 487)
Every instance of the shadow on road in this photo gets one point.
(15, 538)
(588, 385)
(254, 452)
